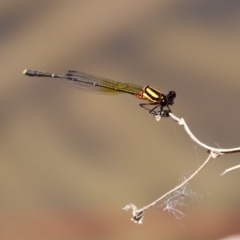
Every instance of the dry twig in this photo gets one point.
(213, 153)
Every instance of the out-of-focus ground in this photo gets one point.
(71, 160)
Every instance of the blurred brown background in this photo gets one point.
(71, 160)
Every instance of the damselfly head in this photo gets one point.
(170, 97)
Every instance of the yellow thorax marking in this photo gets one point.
(153, 92)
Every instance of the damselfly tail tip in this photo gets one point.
(30, 72)
(25, 71)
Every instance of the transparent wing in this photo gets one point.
(86, 81)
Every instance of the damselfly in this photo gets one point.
(86, 81)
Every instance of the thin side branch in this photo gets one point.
(230, 169)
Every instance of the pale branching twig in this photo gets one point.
(172, 198)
